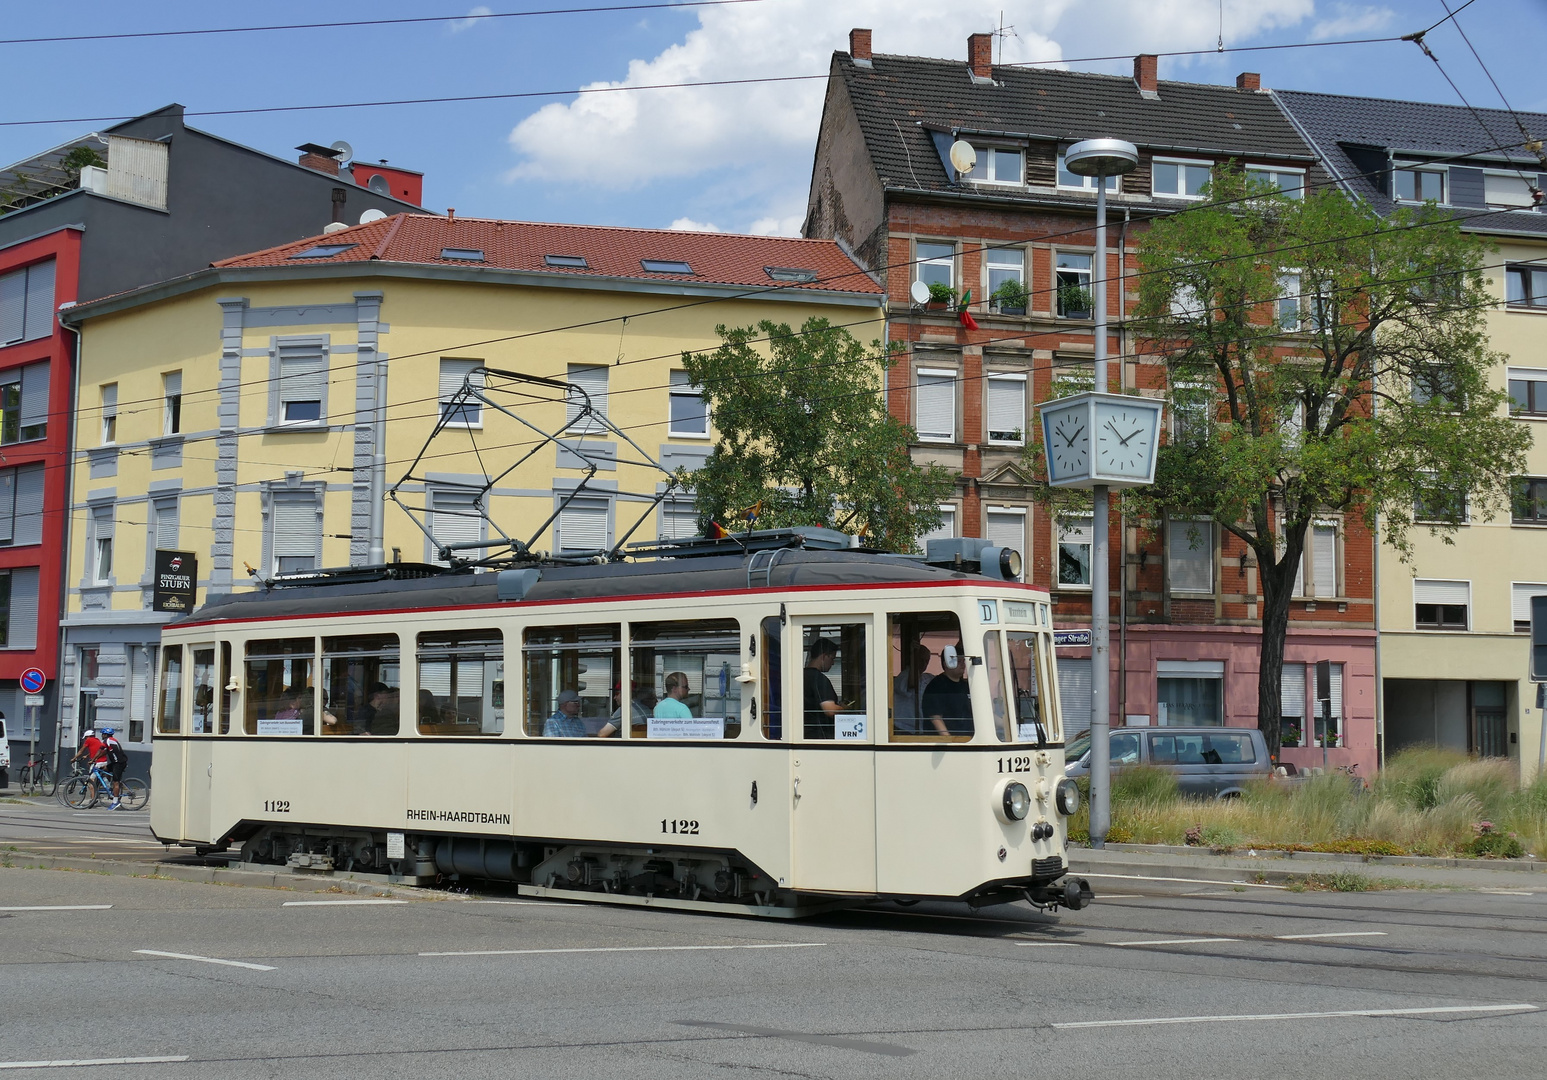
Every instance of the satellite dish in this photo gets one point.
(919, 292)
(963, 157)
(343, 151)
(334, 226)
(372, 215)
(378, 184)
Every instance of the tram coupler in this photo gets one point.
(1071, 893)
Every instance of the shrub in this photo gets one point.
(1489, 843)
(941, 294)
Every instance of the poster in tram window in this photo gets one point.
(177, 573)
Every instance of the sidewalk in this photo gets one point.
(1117, 862)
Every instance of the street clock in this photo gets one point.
(1095, 438)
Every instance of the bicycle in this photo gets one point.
(85, 789)
(37, 777)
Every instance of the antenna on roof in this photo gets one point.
(1002, 33)
(344, 152)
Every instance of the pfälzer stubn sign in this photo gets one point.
(177, 572)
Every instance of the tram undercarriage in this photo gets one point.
(698, 880)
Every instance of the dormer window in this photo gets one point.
(1180, 179)
(1289, 182)
(1419, 185)
(1069, 180)
(1507, 189)
(665, 266)
(790, 273)
(323, 251)
(462, 254)
(997, 165)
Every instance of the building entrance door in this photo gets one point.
(1490, 726)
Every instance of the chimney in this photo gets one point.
(1248, 80)
(1144, 74)
(980, 56)
(340, 196)
(859, 45)
(322, 158)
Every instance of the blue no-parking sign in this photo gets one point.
(33, 680)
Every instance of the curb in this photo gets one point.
(1517, 865)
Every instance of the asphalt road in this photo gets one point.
(1198, 981)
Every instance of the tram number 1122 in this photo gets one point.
(679, 827)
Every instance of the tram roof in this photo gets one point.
(794, 568)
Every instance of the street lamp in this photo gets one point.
(1107, 463)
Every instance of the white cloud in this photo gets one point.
(1351, 20)
(474, 17)
(687, 224)
(749, 147)
(788, 225)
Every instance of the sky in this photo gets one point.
(733, 158)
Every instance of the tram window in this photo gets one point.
(682, 679)
(279, 689)
(462, 683)
(224, 688)
(993, 664)
(203, 690)
(773, 680)
(362, 685)
(571, 675)
(1025, 650)
(169, 717)
(833, 681)
(930, 698)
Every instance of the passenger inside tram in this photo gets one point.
(565, 723)
(672, 706)
(930, 697)
(821, 700)
(947, 701)
(909, 684)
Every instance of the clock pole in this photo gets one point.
(1100, 158)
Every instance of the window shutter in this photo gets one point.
(593, 380)
(1076, 530)
(34, 395)
(139, 684)
(946, 530)
(7, 505)
(302, 374)
(1192, 568)
(102, 520)
(455, 518)
(1292, 691)
(110, 400)
(1324, 552)
(40, 301)
(453, 373)
(166, 526)
(1442, 592)
(23, 620)
(678, 519)
(296, 530)
(583, 524)
(1074, 695)
(1337, 691)
(1519, 599)
(937, 406)
(13, 306)
(1006, 408)
(435, 676)
(28, 528)
(1007, 529)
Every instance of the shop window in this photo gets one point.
(362, 685)
(279, 688)
(461, 683)
(571, 673)
(1190, 692)
(925, 651)
(683, 679)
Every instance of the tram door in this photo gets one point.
(832, 768)
(198, 753)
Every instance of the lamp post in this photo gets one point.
(1100, 158)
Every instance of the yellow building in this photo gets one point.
(256, 414)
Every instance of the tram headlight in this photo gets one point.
(1009, 564)
(1017, 802)
(1068, 797)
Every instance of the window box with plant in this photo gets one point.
(1009, 298)
(941, 297)
(1074, 301)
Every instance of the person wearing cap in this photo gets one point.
(565, 723)
(638, 713)
(91, 750)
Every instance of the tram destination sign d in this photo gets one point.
(177, 572)
(33, 680)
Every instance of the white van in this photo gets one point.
(5, 753)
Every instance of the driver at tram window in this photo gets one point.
(821, 700)
(565, 723)
(946, 701)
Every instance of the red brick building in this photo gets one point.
(1186, 628)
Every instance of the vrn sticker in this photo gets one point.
(849, 726)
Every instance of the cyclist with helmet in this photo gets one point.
(114, 762)
(90, 749)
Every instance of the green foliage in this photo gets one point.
(940, 293)
(804, 432)
(1144, 784)
(1345, 365)
(1011, 293)
(79, 158)
(1074, 301)
(1495, 845)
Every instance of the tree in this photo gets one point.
(1321, 358)
(804, 434)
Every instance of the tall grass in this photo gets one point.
(1426, 802)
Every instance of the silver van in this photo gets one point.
(1216, 761)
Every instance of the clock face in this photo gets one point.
(1069, 444)
(1125, 440)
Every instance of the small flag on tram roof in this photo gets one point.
(717, 531)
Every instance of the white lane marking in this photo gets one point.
(334, 903)
(1173, 941)
(1343, 933)
(1185, 880)
(1444, 1009)
(79, 1062)
(631, 948)
(61, 907)
(1508, 892)
(204, 959)
(1048, 944)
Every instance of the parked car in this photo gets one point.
(5, 755)
(1217, 761)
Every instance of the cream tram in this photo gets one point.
(765, 730)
